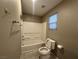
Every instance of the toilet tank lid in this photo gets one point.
(49, 39)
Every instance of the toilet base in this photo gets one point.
(44, 57)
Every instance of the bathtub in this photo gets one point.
(31, 46)
(30, 50)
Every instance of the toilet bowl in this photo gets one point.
(44, 51)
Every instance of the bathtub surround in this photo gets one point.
(31, 29)
(66, 33)
(10, 45)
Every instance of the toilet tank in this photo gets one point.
(50, 43)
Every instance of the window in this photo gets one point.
(53, 22)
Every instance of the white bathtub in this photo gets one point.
(30, 51)
(31, 46)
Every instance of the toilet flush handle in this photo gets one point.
(47, 41)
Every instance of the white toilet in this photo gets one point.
(45, 51)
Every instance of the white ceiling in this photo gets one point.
(35, 8)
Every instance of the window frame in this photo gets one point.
(53, 22)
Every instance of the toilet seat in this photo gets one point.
(44, 51)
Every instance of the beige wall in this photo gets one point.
(9, 38)
(66, 33)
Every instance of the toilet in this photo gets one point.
(45, 51)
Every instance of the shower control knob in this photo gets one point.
(22, 44)
(23, 39)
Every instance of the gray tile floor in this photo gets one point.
(53, 57)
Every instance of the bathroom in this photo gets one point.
(26, 28)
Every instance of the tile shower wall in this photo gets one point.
(10, 10)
